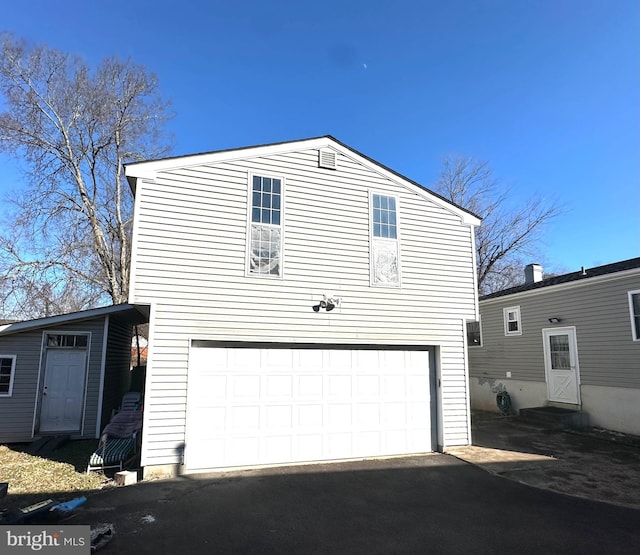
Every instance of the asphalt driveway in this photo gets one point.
(428, 504)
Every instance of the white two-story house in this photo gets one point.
(306, 302)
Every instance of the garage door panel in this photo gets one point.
(337, 359)
(278, 447)
(245, 386)
(249, 407)
(368, 414)
(368, 443)
(419, 440)
(311, 386)
(394, 414)
(339, 415)
(310, 416)
(311, 446)
(395, 441)
(279, 416)
(279, 386)
(245, 418)
(339, 386)
(367, 386)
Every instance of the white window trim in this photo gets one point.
(13, 375)
(635, 333)
(373, 239)
(505, 315)
(247, 265)
(479, 320)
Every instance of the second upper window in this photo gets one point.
(265, 251)
(384, 217)
(385, 265)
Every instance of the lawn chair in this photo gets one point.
(118, 442)
(130, 401)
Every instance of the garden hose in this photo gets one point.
(504, 403)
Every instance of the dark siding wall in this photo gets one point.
(600, 313)
(16, 412)
(117, 373)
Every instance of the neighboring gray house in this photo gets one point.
(571, 341)
(64, 374)
(307, 303)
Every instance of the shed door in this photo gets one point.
(63, 390)
(561, 365)
(254, 406)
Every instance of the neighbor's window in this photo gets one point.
(384, 252)
(265, 251)
(512, 323)
(7, 371)
(634, 309)
(474, 338)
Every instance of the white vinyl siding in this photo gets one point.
(512, 321)
(190, 263)
(7, 371)
(634, 311)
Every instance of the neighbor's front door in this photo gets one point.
(63, 390)
(561, 365)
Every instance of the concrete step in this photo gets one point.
(555, 418)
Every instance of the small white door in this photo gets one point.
(63, 390)
(561, 365)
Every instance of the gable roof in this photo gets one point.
(148, 169)
(580, 275)
(138, 314)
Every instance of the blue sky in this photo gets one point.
(547, 91)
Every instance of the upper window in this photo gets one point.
(265, 252)
(474, 337)
(385, 248)
(512, 321)
(384, 217)
(634, 309)
(7, 371)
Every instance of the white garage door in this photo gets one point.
(251, 406)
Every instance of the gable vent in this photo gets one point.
(328, 159)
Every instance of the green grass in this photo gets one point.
(59, 475)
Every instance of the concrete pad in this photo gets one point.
(485, 455)
(582, 463)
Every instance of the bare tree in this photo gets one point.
(72, 128)
(508, 234)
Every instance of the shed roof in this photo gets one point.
(137, 313)
(580, 275)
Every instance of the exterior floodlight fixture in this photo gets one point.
(328, 303)
(555, 320)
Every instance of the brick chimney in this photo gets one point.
(532, 273)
